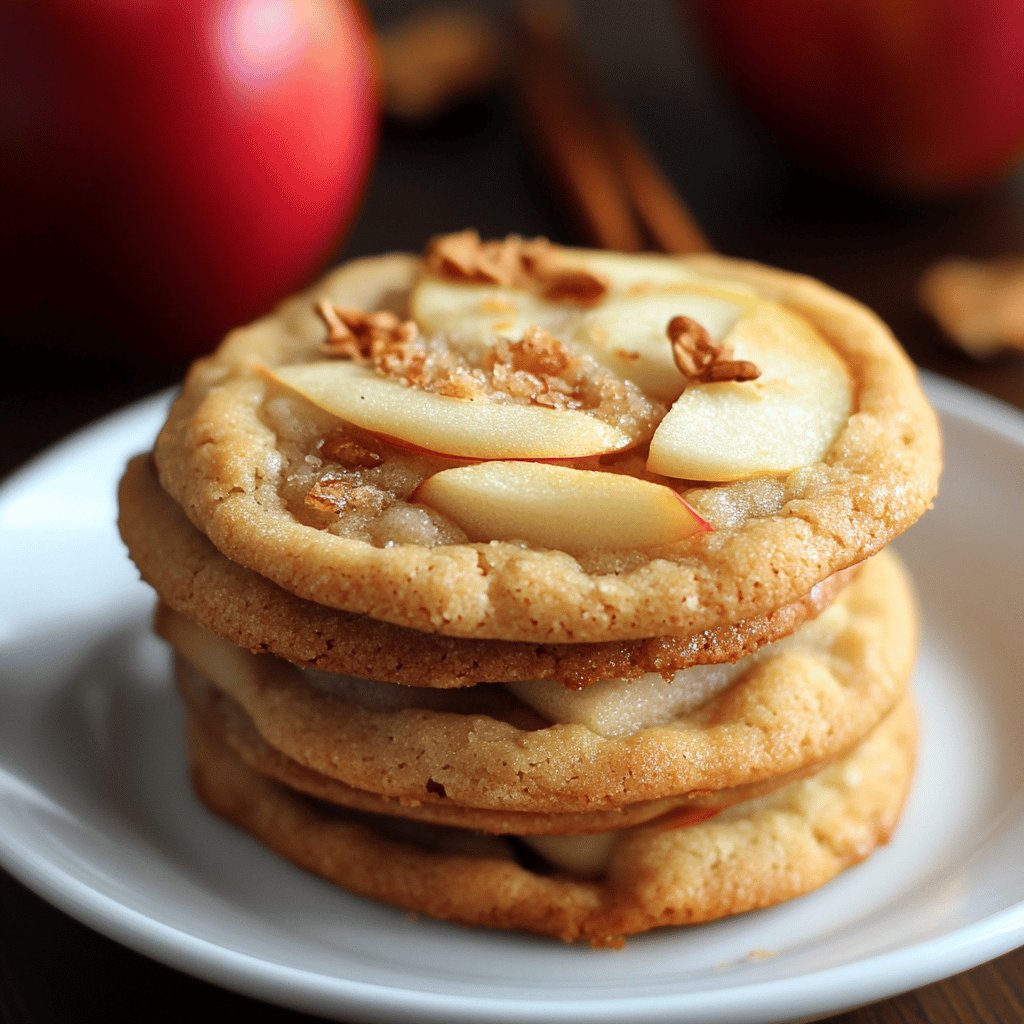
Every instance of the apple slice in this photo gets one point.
(638, 272)
(581, 856)
(462, 427)
(559, 507)
(627, 332)
(787, 418)
(477, 314)
(617, 707)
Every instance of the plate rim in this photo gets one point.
(313, 991)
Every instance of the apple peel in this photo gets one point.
(559, 507)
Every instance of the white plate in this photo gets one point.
(99, 820)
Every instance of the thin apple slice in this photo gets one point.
(638, 272)
(580, 856)
(559, 507)
(588, 856)
(463, 427)
(627, 332)
(619, 707)
(787, 418)
(476, 314)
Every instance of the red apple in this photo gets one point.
(922, 96)
(174, 168)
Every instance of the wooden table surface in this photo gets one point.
(473, 168)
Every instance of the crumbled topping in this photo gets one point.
(340, 447)
(462, 256)
(542, 262)
(535, 264)
(538, 368)
(337, 493)
(536, 352)
(700, 359)
(380, 339)
(353, 334)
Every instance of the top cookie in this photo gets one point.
(501, 453)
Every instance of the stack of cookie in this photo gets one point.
(544, 589)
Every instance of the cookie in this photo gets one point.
(750, 856)
(795, 704)
(192, 577)
(225, 720)
(359, 510)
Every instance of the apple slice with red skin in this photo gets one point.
(683, 817)
(460, 427)
(552, 506)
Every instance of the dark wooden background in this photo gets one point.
(474, 168)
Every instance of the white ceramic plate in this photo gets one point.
(98, 817)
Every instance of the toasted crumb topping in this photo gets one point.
(395, 349)
(353, 334)
(334, 493)
(463, 256)
(538, 369)
(535, 264)
(561, 283)
(700, 359)
(340, 447)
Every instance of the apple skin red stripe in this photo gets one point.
(684, 817)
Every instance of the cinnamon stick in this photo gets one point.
(659, 208)
(569, 137)
(619, 193)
